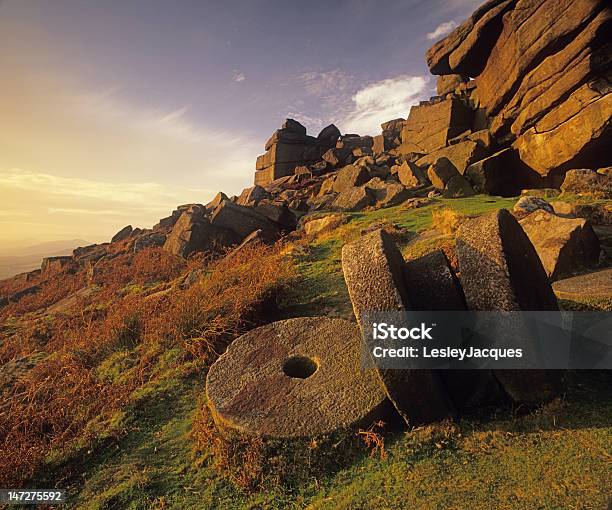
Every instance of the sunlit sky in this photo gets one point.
(114, 112)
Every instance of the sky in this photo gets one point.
(115, 112)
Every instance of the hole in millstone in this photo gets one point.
(300, 367)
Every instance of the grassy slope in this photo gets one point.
(557, 458)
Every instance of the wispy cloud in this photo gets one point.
(441, 30)
(238, 76)
(382, 101)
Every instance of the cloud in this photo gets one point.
(382, 101)
(441, 30)
(54, 206)
(238, 76)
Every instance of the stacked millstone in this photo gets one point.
(290, 147)
(302, 377)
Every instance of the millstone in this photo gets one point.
(591, 286)
(432, 286)
(500, 270)
(373, 271)
(295, 378)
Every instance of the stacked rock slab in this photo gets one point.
(431, 125)
(373, 272)
(290, 147)
(295, 378)
(542, 70)
(500, 270)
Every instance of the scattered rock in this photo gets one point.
(325, 224)
(242, 221)
(294, 378)
(411, 175)
(353, 199)
(194, 232)
(529, 204)
(565, 246)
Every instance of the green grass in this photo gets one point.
(556, 458)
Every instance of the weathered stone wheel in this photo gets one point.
(295, 378)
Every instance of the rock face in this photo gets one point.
(52, 266)
(290, 147)
(430, 126)
(542, 73)
(565, 246)
(500, 270)
(373, 271)
(295, 378)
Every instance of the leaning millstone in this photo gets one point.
(433, 286)
(500, 270)
(295, 378)
(373, 269)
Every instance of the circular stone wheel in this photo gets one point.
(294, 378)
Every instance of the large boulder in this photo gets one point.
(349, 177)
(194, 232)
(461, 155)
(444, 176)
(52, 266)
(587, 182)
(449, 83)
(373, 272)
(242, 221)
(353, 199)
(410, 175)
(542, 70)
(295, 378)
(500, 270)
(565, 245)
(387, 194)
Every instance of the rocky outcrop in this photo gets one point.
(195, 232)
(542, 74)
(123, 234)
(290, 147)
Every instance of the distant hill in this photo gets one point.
(20, 260)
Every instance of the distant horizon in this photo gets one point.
(114, 113)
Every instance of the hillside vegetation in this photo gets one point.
(103, 394)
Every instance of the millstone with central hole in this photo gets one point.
(295, 378)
